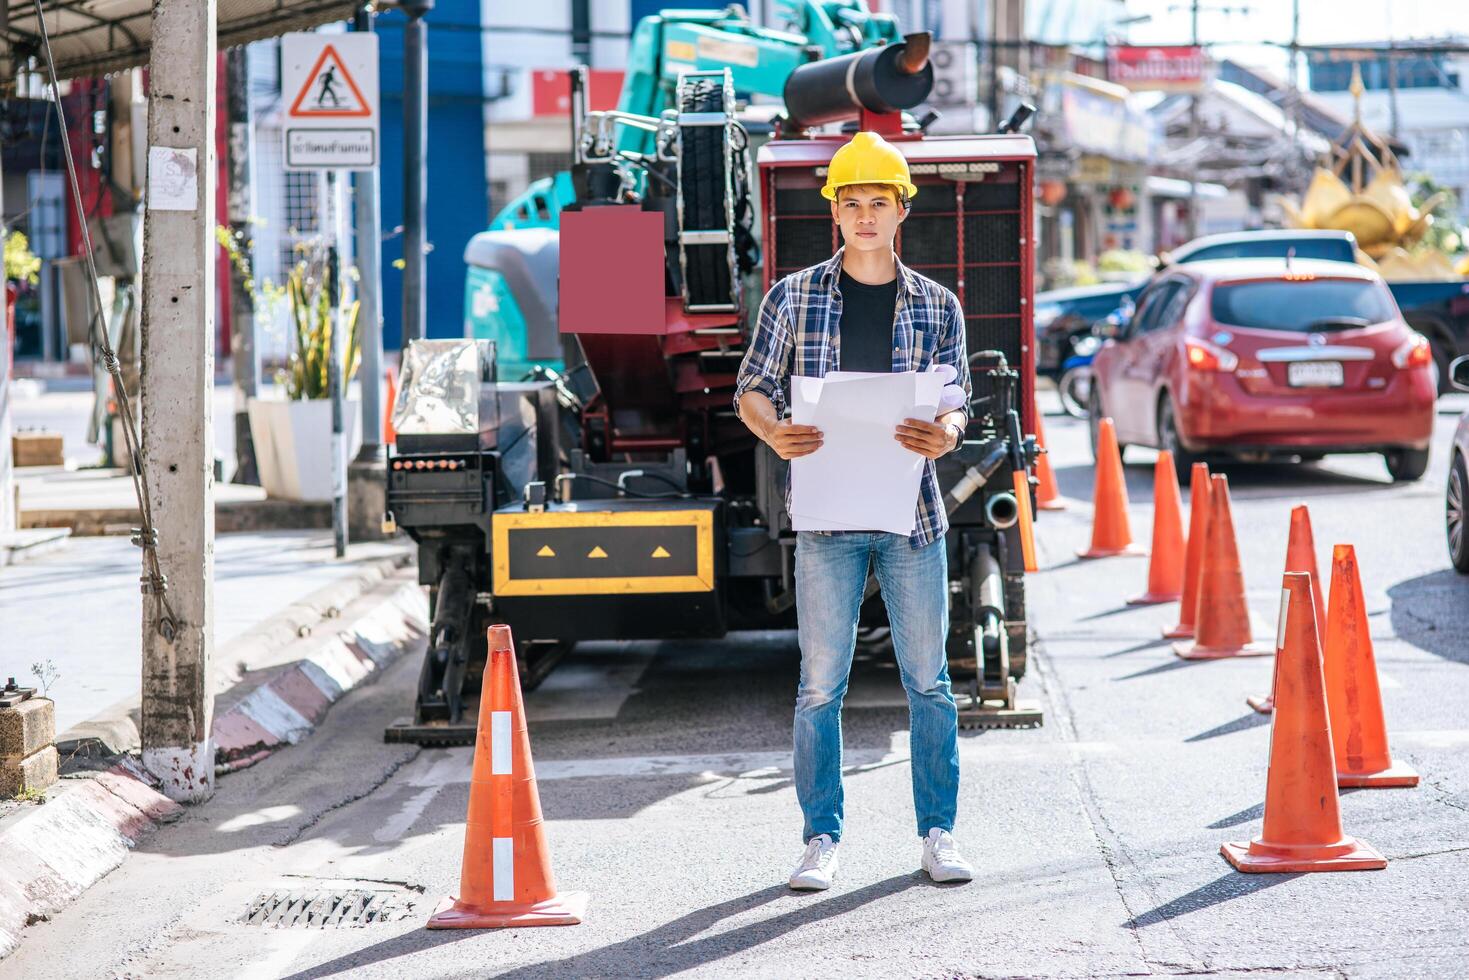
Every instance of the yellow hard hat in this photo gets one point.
(868, 159)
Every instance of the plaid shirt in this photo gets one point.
(797, 334)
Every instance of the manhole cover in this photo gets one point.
(331, 908)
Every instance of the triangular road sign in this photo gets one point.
(330, 91)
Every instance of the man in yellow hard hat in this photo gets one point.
(863, 310)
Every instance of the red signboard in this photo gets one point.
(1170, 69)
(551, 90)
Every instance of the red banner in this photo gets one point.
(1169, 69)
(551, 91)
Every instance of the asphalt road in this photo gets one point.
(665, 780)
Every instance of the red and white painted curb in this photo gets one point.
(50, 854)
(281, 705)
(54, 852)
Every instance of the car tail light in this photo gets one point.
(1413, 352)
(1204, 356)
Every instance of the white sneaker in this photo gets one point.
(942, 860)
(818, 865)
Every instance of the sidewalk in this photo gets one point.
(80, 607)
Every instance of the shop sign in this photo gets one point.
(1168, 69)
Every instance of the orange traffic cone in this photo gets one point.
(1047, 494)
(506, 879)
(1193, 562)
(1300, 556)
(1302, 829)
(1165, 570)
(1353, 698)
(1223, 628)
(390, 435)
(1111, 532)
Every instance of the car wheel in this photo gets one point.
(1169, 439)
(1454, 501)
(1406, 465)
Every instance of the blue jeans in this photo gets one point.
(831, 572)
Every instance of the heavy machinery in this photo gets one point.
(501, 302)
(624, 499)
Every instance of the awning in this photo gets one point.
(94, 37)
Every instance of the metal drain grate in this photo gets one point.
(340, 908)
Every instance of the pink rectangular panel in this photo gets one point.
(612, 271)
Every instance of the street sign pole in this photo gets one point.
(330, 85)
(369, 291)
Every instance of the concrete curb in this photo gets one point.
(56, 851)
(21, 545)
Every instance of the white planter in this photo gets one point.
(293, 445)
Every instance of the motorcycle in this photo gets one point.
(1075, 383)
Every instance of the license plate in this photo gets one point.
(1314, 374)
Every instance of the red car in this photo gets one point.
(1267, 358)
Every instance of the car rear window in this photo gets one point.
(1332, 249)
(1302, 306)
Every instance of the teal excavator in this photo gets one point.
(510, 288)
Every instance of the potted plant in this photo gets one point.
(293, 436)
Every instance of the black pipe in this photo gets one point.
(886, 79)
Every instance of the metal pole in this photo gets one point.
(369, 291)
(1193, 134)
(334, 385)
(415, 156)
(244, 353)
(178, 379)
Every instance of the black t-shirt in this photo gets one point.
(866, 325)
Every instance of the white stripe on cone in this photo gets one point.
(499, 743)
(502, 859)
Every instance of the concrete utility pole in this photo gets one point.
(8, 517)
(415, 160)
(244, 357)
(178, 380)
(367, 476)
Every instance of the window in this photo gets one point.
(1155, 304)
(1302, 306)
(1335, 249)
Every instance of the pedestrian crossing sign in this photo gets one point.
(330, 90)
(331, 84)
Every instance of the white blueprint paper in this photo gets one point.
(861, 478)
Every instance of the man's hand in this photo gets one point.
(790, 440)
(929, 439)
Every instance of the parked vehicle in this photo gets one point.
(1075, 384)
(1438, 310)
(1456, 496)
(1263, 359)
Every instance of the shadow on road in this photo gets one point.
(659, 952)
(1246, 815)
(1432, 613)
(1250, 481)
(1243, 723)
(667, 949)
(1232, 885)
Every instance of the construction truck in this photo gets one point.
(623, 499)
(510, 292)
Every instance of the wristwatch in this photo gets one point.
(958, 434)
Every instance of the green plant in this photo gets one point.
(309, 292)
(31, 794)
(20, 264)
